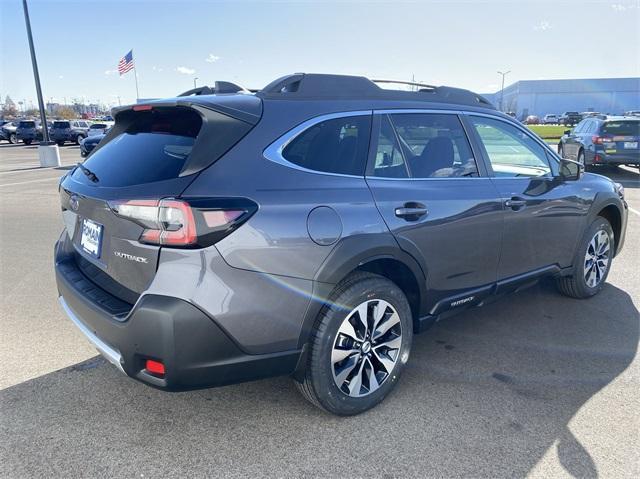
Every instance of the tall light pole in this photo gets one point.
(504, 74)
(48, 152)
(36, 75)
(194, 82)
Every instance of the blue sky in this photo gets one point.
(79, 43)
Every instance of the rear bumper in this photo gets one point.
(194, 349)
(59, 137)
(612, 158)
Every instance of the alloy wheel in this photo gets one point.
(366, 348)
(596, 260)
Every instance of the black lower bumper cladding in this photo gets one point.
(195, 351)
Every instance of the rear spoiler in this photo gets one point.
(222, 127)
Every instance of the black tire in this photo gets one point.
(12, 139)
(27, 142)
(560, 150)
(79, 138)
(318, 385)
(60, 143)
(575, 286)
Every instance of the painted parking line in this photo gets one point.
(634, 210)
(57, 178)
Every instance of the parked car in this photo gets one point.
(88, 144)
(29, 131)
(612, 141)
(532, 120)
(570, 118)
(8, 131)
(632, 113)
(98, 128)
(69, 130)
(311, 228)
(551, 119)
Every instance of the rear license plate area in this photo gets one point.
(91, 238)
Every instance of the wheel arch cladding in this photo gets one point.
(612, 214)
(377, 254)
(401, 275)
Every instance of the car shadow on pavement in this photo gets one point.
(485, 394)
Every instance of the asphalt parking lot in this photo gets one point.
(535, 384)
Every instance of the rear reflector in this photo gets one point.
(142, 107)
(154, 367)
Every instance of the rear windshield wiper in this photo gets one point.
(90, 174)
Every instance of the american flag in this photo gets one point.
(126, 63)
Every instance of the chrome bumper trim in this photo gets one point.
(110, 354)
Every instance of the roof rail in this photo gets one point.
(219, 87)
(410, 83)
(317, 86)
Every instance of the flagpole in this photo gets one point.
(135, 74)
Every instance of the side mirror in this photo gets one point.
(570, 170)
(567, 132)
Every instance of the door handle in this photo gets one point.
(515, 203)
(411, 211)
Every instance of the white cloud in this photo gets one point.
(185, 70)
(543, 26)
(60, 77)
(212, 58)
(157, 69)
(110, 72)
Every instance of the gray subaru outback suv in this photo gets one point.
(312, 228)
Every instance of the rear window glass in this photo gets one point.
(333, 146)
(27, 124)
(621, 128)
(154, 147)
(98, 126)
(61, 124)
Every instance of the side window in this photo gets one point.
(424, 145)
(333, 146)
(512, 152)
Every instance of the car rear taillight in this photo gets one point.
(600, 140)
(185, 222)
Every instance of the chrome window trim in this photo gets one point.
(416, 110)
(449, 178)
(274, 151)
